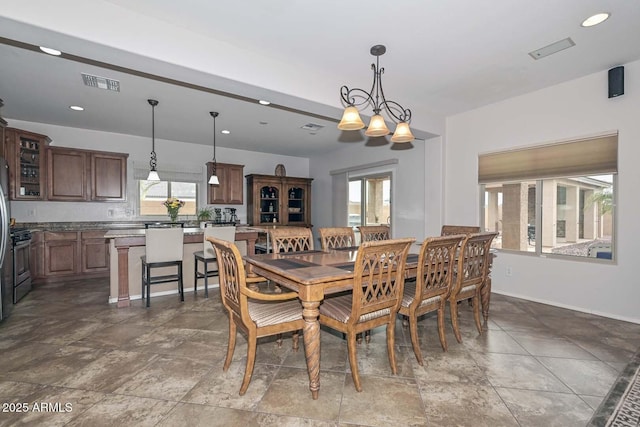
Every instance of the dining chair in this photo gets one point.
(257, 314)
(291, 239)
(472, 270)
(432, 286)
(163, 248)
(336, 237)
(448, 230)
(371, 233)
(207, 256)
(378, 282)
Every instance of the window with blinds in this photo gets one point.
(553, 199)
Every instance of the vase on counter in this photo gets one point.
(173, 206)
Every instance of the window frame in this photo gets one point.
(169, 183)
(538, 249)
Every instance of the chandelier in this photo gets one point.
(375, 97)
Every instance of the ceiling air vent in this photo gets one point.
(101, 82)
(552, 48)
(312, 127)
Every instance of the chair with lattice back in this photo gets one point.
(448, 230)
(378, 282)
(372, 233)
(257, 314)
(337, 237)
(291, 239)
(472, 271)
(432, 286)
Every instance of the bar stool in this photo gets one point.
(207, 256)
(163, 248)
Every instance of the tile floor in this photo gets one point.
(72, 359)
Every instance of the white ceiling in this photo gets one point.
(442, 58)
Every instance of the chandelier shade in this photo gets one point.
(213, 180)
(351, 119)
(377, 127)
(355, 97)
(402, 133)
(153, 173)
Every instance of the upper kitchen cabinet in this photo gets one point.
(230, 190)
(85, 175)
(25, 152)
(108, 177)
(278, 200)
(67, 178)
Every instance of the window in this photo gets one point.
(536, 208)
(154, 193)
(370, 200)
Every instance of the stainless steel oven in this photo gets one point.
(21, 239)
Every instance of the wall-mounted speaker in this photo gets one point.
(616, 81)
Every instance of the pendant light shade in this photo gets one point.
(213, 180)
(377, 127)
(153, 174)
(402, 133)
(351, 119)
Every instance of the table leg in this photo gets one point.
(311, 336)
(123, 277)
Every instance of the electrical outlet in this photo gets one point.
(31, 212)
(508, 272)
(110, 212)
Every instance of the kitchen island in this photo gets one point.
(128, 245)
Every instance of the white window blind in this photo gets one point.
(588, 156)
(170, 172)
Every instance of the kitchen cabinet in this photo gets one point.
(95, 252)
(25, 153)
(86, 175)
(108, 177)
(231, 187)
(67, 174)
(278, 200)
(61, 253)
(57, 255)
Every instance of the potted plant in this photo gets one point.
(204, 215)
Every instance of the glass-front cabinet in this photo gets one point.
(269, 204)
(296, 208)
(275, 200)
(26, 152)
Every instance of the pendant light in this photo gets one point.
(214, 178)
(153, 174)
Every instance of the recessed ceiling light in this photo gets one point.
(595, 19)
(50, 51)
(263, 102)
(226, 132)
(76, 108)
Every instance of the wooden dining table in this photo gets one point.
(314, 274)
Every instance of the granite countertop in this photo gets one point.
(116, 233)
(97, 225)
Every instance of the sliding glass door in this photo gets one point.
(370, 200)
